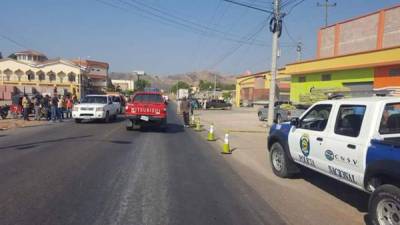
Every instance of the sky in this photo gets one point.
(164, 37)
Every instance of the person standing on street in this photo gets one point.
(54, 107)
(60, 112)
(46, 107)
(185, 109)
(69, 105)
(36, 105)
(26, 106)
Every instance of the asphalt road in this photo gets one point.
(96, 173)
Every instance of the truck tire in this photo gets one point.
(384, 205)
(260, 118)
(278, 119)
(107, 118)
(164, 125)
(279, 161)
(78, 120)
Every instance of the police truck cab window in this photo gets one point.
(390, 121)
(349, 120)
(317, 118)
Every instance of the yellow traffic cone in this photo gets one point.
(192, 121)
(225, 148)
(210, 136)
(198, 126)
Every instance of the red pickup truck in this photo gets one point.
(146, 108)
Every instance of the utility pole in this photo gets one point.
(299, 50)
(276, 29)
(326, 5)
(215, 85)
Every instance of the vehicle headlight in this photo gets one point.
(75, 108)
(99, 109)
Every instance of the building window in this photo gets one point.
(394, 72)
(302, 79)
(71, 77)
(326, 77)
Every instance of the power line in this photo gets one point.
(249, 6)
(163, 12)
(13, 41)
(172, 20)
(326, 5)
(294, 6)
(235, 48)
(288, 34)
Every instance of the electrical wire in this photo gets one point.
(174, 21)
(237, 47)
(248, 6)
(294, 6)
(13, 41)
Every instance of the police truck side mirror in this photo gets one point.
(295, 122)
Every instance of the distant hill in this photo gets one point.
(165, 82)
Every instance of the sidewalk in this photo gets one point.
(16, 123)
(309, 199)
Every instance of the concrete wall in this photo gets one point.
(327, 42)
(365, 33)
(391, 35)
(358, 35)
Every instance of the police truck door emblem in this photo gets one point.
(329, 155)
(305, 145)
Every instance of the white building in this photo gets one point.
(124, 85)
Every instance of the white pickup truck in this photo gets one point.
(95, 107)
(355, 141)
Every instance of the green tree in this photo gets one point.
(227, 95)
(206, 85)
(141, 84)
(110, 86)
(12, 56)
(179, 85)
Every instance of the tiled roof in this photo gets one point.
(90, 63)
(30, 52)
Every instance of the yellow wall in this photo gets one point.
(249, 81)
(362, 60)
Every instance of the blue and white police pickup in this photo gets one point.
(355, 141)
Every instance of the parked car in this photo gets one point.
(283, 111)
(95, 107)
(119, 101)
(146, 108)
(355, 141)
(218, 104)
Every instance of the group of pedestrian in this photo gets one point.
(49, 108)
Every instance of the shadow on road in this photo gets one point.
(344, 192)
(99, 121)
(30, 144)
(171, 129)
(121, 142)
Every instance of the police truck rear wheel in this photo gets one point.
(279, 161)
(384, 205)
